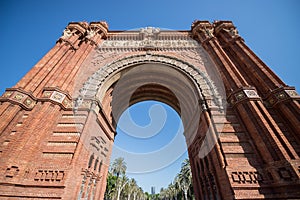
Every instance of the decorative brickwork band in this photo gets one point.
(17, 96)
(242, 95)
(241, 122)
(280, 95)
(251, 177)
(28, 101)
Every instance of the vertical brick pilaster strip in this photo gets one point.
(262, 77)
(48, 63)
(268, 137)
(55, 67)
(8, 114)
(96, 32)
(233, 81)
(269, 127)
(38, 67)
(203, 31)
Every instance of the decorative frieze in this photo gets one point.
(149, 38)
(49, 175)
(246, 177)
(243, 94)
(58, 97)
(153, 44)
(27, 101)
(11, 172)
(20, 97)
(280, 95)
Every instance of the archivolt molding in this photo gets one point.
(92, 87)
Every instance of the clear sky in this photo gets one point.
(29, 28)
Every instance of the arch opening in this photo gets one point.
(151, 141)
(153, 81)
(189, 91)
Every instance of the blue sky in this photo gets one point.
(29, 28)
(152, 150)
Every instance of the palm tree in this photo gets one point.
(136, 191)
(184, 178)
(119, 167)
(163, 194)
(110, 186)
(131, 186)
(140, 194)
(121, 183)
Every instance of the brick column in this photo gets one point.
(93, 36)
(46, 140)
(50, 64)
(274, 92)
(267, 138)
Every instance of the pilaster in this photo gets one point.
(268, 84)
(45, 136)
(203, 31)
(261, 76)
(246, 94)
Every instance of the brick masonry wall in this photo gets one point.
(49, 151)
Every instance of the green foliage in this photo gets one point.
(110, 186)
(181, 188)
(120, 187)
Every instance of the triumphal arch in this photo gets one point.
(241, 121)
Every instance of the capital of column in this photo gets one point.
(227, 29)
(202, 30)
(99, 27)
(73, 32)
(95, 30)
(78, 27)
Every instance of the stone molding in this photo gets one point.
(149, 39)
